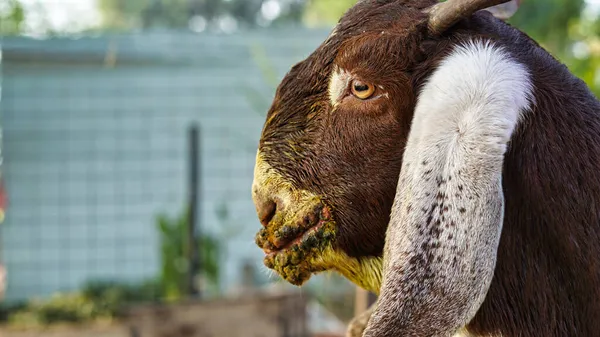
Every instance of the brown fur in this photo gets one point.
(547, 278)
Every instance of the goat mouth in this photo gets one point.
(306, 238)
(291, 249)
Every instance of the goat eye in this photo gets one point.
(362, 90)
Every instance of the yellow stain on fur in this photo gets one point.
(366, 273)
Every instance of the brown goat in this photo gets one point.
(442, 159)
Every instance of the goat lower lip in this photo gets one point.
(295, 240)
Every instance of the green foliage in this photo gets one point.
(122, 15)
(166, 13)
(70, 308)
(547, 21)
(110, 297)
(174, 261)
(12, 17)
(325, 12)
(118, 14)
(97, 301)
(174, 265)
(176, 14)
(562, 27)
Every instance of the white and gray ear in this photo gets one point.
(506, 10)
(445, 226)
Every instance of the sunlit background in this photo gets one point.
(125, 123)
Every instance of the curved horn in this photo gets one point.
(444, 15)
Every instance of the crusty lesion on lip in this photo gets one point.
(294, 263)
(288, 225)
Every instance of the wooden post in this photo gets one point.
(363, 301)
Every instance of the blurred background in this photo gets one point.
(129, 130)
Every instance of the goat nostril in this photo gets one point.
(266, 211)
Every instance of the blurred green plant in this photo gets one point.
(12, 17)
(120, 15)
(324, 13)
(97, 302)
(64, 308)
(177, 14)
(569, 30)
(174, 262)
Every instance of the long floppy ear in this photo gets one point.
(444, 15)
(446, 220)
(505, 11)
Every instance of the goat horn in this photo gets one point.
(445, 14)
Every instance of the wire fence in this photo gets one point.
(102, 165)
(85, 185)
(95, 151)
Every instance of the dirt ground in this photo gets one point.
(66, 331)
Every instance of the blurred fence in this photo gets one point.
(96, 146)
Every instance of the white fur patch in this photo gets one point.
(478, 83)
(448, 212)
(338, 84)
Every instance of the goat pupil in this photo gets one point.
(361, 87)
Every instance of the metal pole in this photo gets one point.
(194, 256)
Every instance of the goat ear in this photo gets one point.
(447, 216)
(505, 11)
(445, 14)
